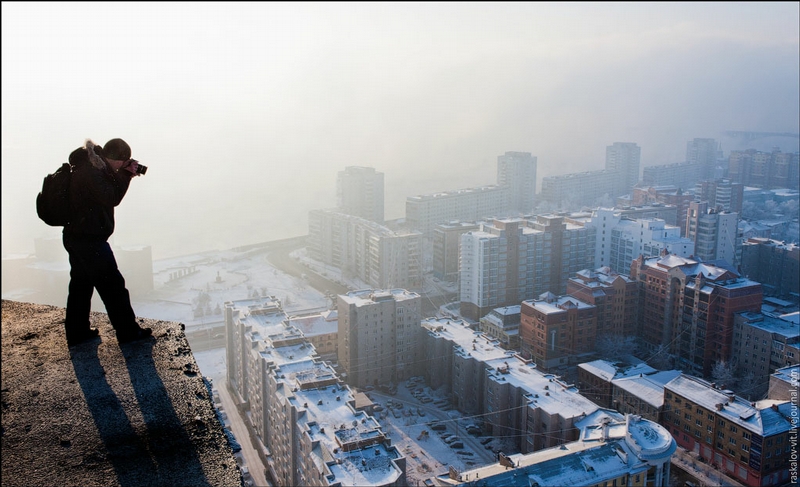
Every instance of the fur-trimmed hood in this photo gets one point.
(95, 158)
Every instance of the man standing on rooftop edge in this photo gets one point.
(100, 179)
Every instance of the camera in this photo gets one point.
(141, 168)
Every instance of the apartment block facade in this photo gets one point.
(359, 192)
(682, 175)
(775, 264)
(573, 190)
(721, 194)
(510, 394)
(517, 172)
(615, 297)
(688, 308)
(446, 244)
(303, 417)
(767, 170)
(620, 239)
(424, 212)
(667, 195)
(764, 343)
(379, 336)
(715, 233)
(625, 159)
(750, 442)
(511, 260)
(557, 331)
(366, 250)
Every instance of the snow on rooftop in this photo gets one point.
(757, 418)
(615, 370)
(612, 447)
(546, 390)
(789, 374)
(316, 324)
(366, 297)
(649, 388)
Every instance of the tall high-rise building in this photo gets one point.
(775, 264)
(721, 194)
(715, 233)
(379, 336)
(767, 170)
(511, 260)
(621, 239)
(360, 248)
(703, 152)
(687, 308)
(446, 244)
(624, 158)
(359, 192)
(517, 172)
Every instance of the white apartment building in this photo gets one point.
(620, 240)
(715, 233)
(366, 250)
(513, 195)
(424, 212)
(625, 159)
(511, 260)
(517, 172)
(306, 422)
(581, 188)
(359, 192)
(379, 336)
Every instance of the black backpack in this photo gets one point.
(52, 203)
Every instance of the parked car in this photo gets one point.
(451, 439)
(438, 427)
(457, 445)
(486, 440)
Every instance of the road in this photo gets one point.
(236, 424)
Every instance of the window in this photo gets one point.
(745, 447)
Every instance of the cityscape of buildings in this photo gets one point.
(598, 324)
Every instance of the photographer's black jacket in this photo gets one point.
(95, 190)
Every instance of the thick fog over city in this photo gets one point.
(444, 243)
(245, 112)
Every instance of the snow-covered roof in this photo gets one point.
(316, 324)
(615, 370)
(546, 391)
(365, 297)
(759, 418)
(649, 388)
(789, 374)
(607, 450)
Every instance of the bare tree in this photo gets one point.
(723, 375)
(611, 346)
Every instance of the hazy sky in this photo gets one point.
(245, 112)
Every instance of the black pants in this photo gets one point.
(93, 266)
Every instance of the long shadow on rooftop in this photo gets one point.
(168, 440)
(138, 459)
(124, 449)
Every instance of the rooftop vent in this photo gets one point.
(319, 403)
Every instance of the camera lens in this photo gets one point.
(141, 169)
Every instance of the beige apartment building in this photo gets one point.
(379, 336)
(304, 418)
